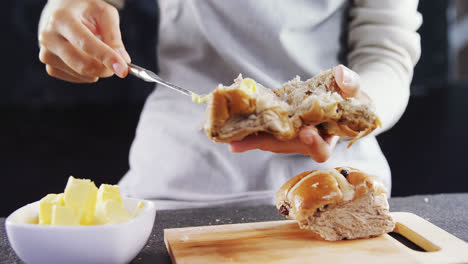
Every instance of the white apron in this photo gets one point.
(203, 43)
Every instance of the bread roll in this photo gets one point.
(246, 108)
(340, 203)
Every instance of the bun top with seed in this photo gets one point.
(309, 191)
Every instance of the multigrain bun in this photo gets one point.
(336, 204)
(246, 108)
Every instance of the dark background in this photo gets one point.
(51, 129)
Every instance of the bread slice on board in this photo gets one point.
(336, 204)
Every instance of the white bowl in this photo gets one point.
(118, 243)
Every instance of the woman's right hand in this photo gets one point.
(80, 41)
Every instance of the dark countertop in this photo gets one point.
(447, 211)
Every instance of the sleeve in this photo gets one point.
(384, 48)
(119, 4)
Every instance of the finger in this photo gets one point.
(249, 143)
(47, 57)
(84, 40)
(108, 26)
(73, 58)
(268, 143)
(319, 149)
(347, 80)
(332, 141)
(60, 74)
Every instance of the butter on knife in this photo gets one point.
(201, 99)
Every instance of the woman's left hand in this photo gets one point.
(309, 142)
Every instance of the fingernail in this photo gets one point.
(308, 140)
(307, 137)
(338, 73)
(349, 77)
(125, 55)
(119, 69)
(233, 148)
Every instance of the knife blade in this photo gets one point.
(150, 76)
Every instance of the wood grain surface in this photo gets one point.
(285, 242)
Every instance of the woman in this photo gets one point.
(203, 43)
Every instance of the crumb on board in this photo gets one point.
(426, 200)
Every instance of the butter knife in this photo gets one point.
(150, 76)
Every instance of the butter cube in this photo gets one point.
(108, 192)
(201, 99)
(138, 208)
(248, 85)
(45, 207)
(111, 212)
(65, 215)
(81, 194)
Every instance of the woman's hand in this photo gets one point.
(309, 142)
(80, 41)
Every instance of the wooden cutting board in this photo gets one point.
(284, 242)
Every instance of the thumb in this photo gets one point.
(347, 80)
(108, 23)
